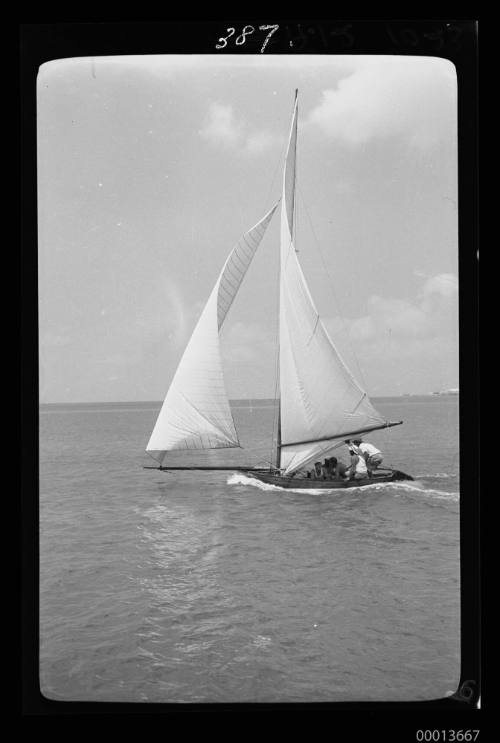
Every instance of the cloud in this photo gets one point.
(260, 142)
(413, 98)
(221, 128)
(439, 289)
(432, 315)
(404, 345)
(389, 316)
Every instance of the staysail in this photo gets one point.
(196, 412)
(320, 401)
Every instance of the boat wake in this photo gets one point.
(437, 476)
(415, 486)
(244, 480)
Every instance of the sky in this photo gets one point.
(151, 168)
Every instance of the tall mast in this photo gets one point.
(278, 440)
(294, 220)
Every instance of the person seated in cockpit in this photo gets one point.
(318, 472)
(337, 469)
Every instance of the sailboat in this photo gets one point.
(320, 403)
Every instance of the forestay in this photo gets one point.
(196, 412)
(320, 399)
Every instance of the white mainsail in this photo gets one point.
(196, 412)
(320, 400)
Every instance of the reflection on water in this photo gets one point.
(206, 587)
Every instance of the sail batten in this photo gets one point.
(196, 413)
(318, 393)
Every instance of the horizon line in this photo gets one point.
(451, 391)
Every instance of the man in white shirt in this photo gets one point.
(373, 456)
(358, 469)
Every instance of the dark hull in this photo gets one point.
(306, 483)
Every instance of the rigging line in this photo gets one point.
(154, 458)
(332, 288)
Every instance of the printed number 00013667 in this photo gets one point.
(454, 736)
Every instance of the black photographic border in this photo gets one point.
(455, 40)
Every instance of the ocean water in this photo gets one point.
(205, 587)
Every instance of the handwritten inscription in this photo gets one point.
(302, 37)
(246, 31)
(298, 36)
(448, 36)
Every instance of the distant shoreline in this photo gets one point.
(249, 402)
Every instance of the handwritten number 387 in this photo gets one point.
(246, 31)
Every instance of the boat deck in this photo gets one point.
(310, 484)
